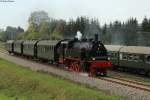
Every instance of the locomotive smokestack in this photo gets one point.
(96, 37)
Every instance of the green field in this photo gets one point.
(18, 83)
(2, 45)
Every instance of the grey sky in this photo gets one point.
(17, 13)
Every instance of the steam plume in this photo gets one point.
(78, 35)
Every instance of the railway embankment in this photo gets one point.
(18, 83)
(126, 92)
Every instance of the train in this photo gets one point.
(134, 59)
(85, 55)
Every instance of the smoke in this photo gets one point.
(78, 35)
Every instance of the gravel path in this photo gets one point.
(125, 92)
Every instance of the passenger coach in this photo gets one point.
(133, 58)
(30, 48)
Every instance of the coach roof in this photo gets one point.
(47, 42)
(136, 49)
(113, 47)
(10, 41)
(30, 41)
(19, 41)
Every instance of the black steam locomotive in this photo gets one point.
(85, 55)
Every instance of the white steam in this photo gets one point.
(78, 35)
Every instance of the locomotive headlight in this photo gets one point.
(108, 58)
(93, 58)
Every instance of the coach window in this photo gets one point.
(142, 57)
(44, 49)
(120, 56)
(124, 57)
(148, 59)
(135, 57)
(130, 57)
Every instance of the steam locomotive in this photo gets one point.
(85, 55)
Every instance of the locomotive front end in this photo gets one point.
(99, 62)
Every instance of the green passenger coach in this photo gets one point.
(46, 49)
(29, 48)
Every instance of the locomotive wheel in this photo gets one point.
(73, 66)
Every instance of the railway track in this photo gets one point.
(131, 81)
(128, 83)
(3, 51)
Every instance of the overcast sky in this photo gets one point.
(17, 13)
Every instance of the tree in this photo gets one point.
(2, 36)
(92, 27)
(44, 30)
(104, 30)
(145, 25)
(35, 20)
(70, 29)
(55, 35)
(130, 31)
(132, 25)
(12, 32)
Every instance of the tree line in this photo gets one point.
(41, 26)
(10, 33)
(126, 33)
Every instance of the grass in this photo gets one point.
(18, 83)
(2, 47)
